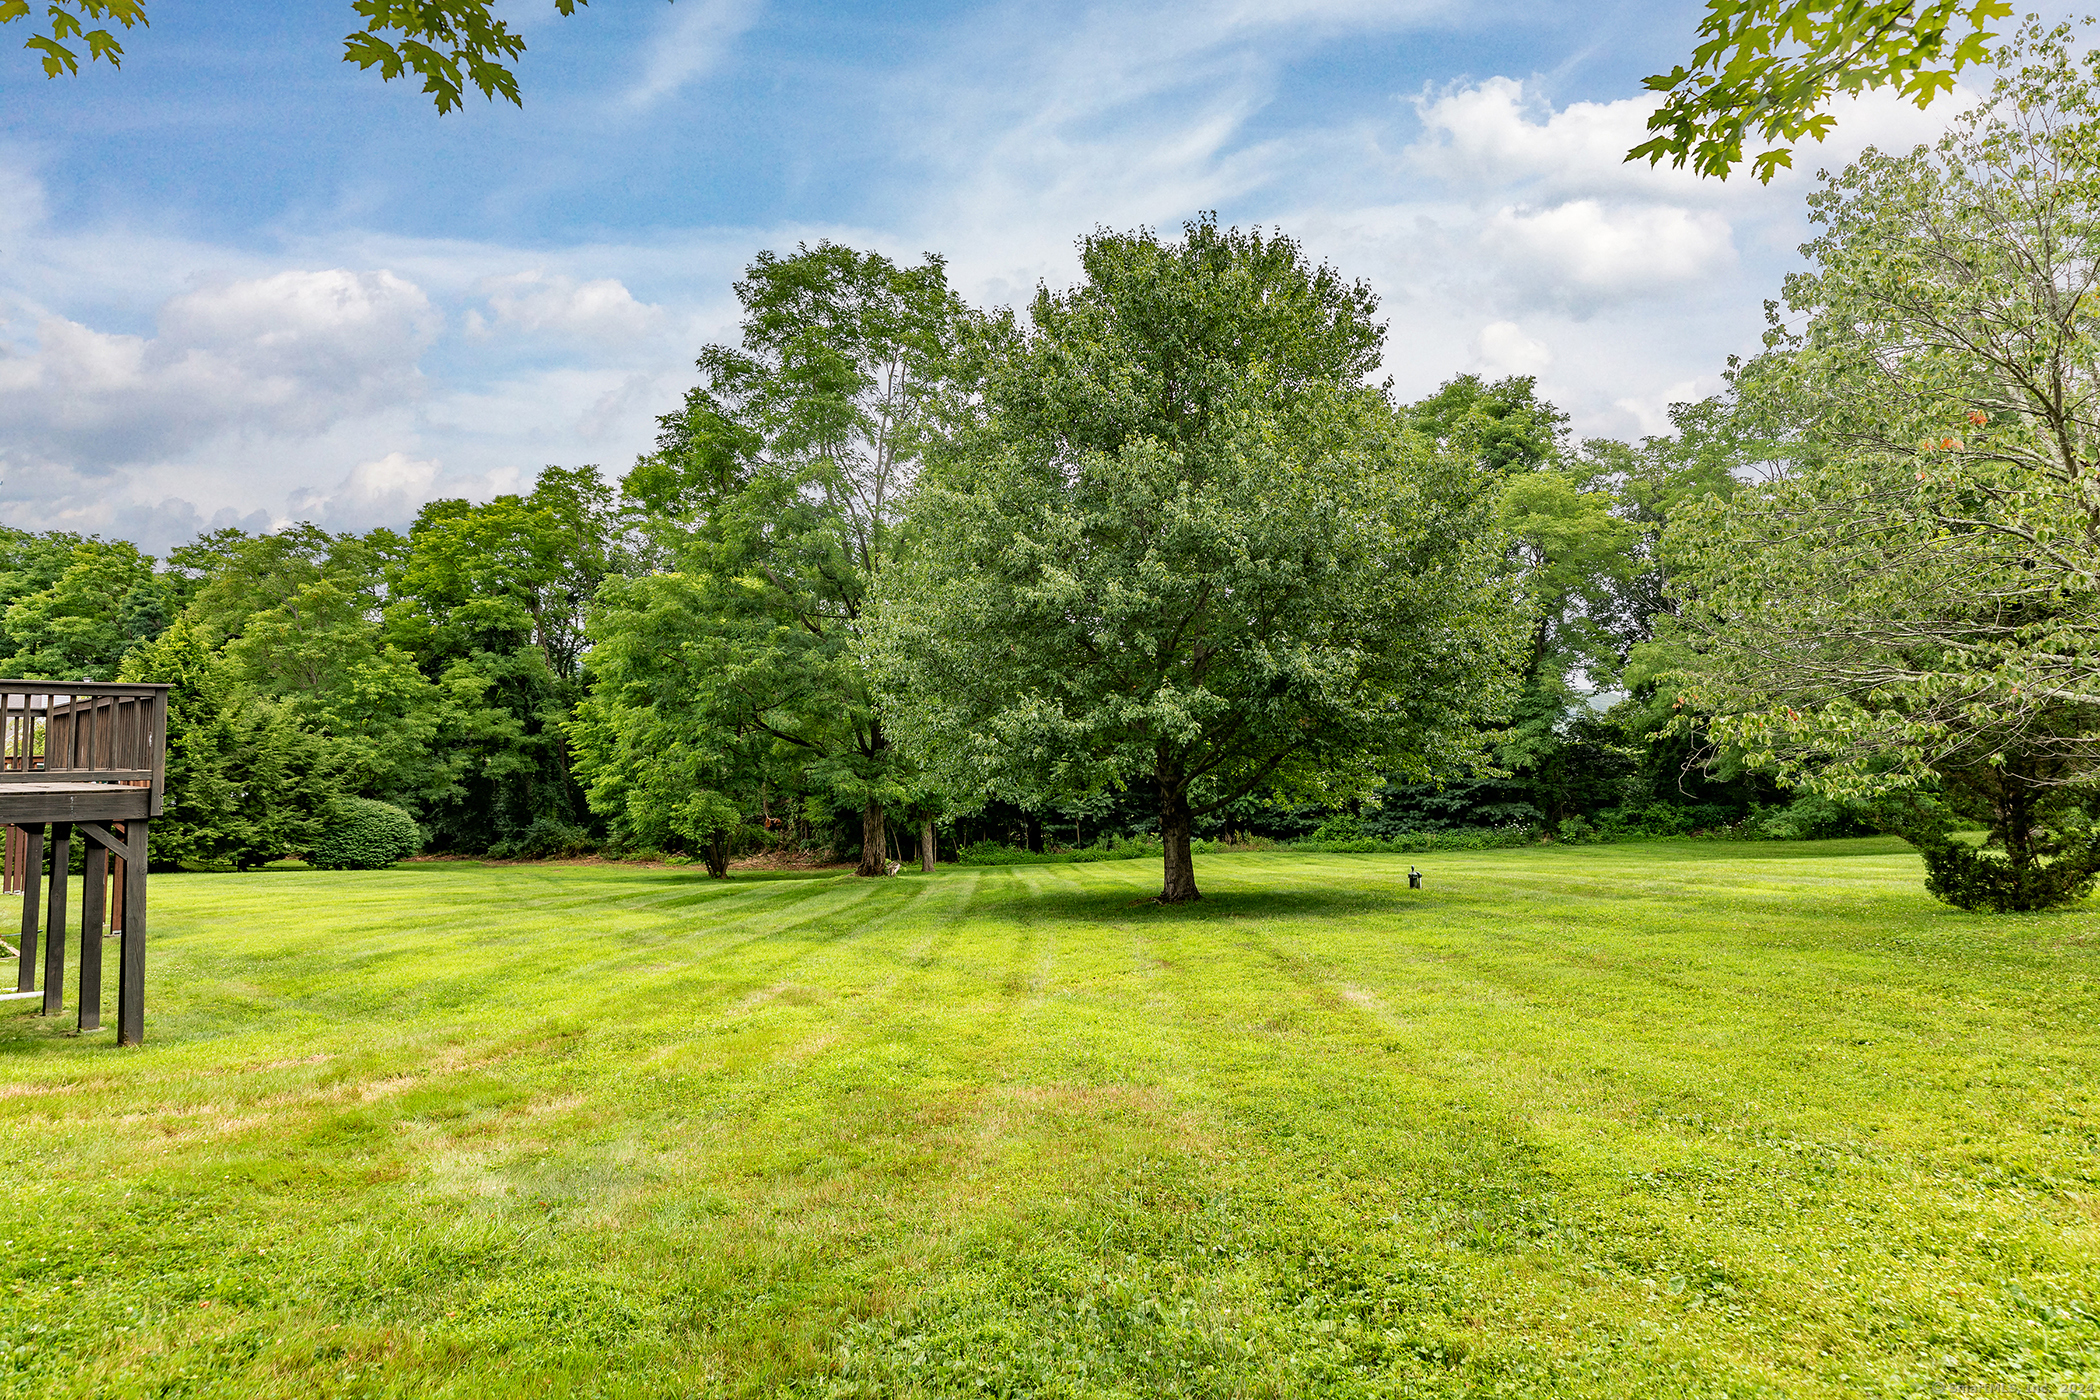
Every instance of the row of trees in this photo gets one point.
(434, 670)
(1157, 556)
(1160, 553)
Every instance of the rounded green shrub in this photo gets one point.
(361, 834)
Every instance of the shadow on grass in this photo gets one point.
(1224, 906)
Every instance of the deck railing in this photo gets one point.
(84, 732)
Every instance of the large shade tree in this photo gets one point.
(1911, 604)
(1176, 540)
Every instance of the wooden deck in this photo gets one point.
(83, 760)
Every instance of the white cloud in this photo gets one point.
(1584, 249)
(291, 353)
(387, 491)
(1502, 348)
(1505, 233)
(538, 303)
(21, 198)
(1651, 414)
(1497, 134)
(1491, 134)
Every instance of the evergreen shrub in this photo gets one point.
(1464, 838)
(361, 834)
(1974, 879)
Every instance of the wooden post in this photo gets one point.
(116, 888)
(32, 890)
(94, 893)
(131, 976)
(55, 923)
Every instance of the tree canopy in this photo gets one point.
(1178, 542)
(1910, 604)
(775, 496)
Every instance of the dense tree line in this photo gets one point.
(1157, 556)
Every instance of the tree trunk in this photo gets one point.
(929, 852)
(2014, 822)
(1035, 832)
(717, 854)
(1174, 821)
(874, 856)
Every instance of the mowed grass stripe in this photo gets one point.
(1677, 1119)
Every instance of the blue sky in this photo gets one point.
(242, 282)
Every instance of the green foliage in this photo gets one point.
(245, 784)
(1339, 836)
(2047, 855)
(1504, 424)
(1771, 68)
(1181, 543)
(1811, 817)
(449, 44)
(66, 22)
(1972, 879)
(776, 492)
(651, 749)
(1651, 820)
(1479, 838)
(490, 600)
(546, 838)
(298, 617)
(516, 572)
(1909, 600)
(1342, 826)
(361, 834)
(104, 601)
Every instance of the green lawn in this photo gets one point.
(1650, 1120)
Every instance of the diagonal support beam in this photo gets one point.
(124, 846)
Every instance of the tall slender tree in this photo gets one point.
(778, 489)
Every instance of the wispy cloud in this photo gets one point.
(691, 43)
